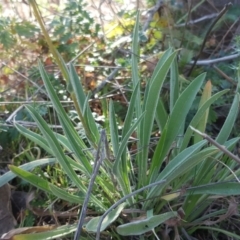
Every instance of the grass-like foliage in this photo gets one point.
(177, 184)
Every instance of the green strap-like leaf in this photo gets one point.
(175, 123)
(197, 117)
(44, 185)
(8, 176)
(146, 225)
(92, 225)
(229, 122)
(149, 106)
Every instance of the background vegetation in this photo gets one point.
(120, 120)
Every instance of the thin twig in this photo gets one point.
(229, 79)
(216, 60)
(12, 116)
(80, 53)
(224, 37)
(180, 191)
(104, 82)
(28, 124)
(121, 201)
(198, 20)
(98, 161)
(77, 56)
(216, 144)
(121, 90)
(224, 10)
(230, 170)
(23, 76)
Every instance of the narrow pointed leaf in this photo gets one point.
(175, 122)
(92, 225)
(150, 105)
(146, 225)
(206, 95)
(43, 184)
(8, 176)
(229, 122)
(198, 116)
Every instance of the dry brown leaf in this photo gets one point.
(232, 210)
(27, 230)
